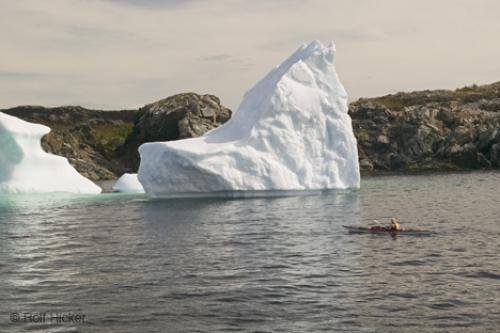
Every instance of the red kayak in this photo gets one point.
(384, 230)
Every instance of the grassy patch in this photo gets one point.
(112, 136)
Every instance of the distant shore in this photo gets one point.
(405, 133)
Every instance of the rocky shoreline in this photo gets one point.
(429, 130)
(440, 130)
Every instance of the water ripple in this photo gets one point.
(258, 265)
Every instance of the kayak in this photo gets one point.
(366, 230)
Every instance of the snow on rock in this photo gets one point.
(26, 168)
(128, 183)
(291, 132)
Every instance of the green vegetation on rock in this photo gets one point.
(112, 136)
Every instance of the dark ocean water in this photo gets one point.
(280, 264)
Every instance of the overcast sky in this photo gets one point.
(126, 53)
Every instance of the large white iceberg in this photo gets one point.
(26, 168)
(290, 132)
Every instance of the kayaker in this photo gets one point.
(393, 227)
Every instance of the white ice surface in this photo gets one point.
(128, 183)
(26, 168)
(290, 132)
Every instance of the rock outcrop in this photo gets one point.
(429, 130)
(177, 117)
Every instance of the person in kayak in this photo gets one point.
(393, 227)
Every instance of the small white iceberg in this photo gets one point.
(128, 183)
(291, 132)
(26, 168)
